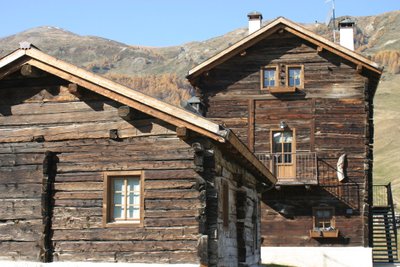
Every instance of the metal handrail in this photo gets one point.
(305, 163)
(383, 198)
(391, 205)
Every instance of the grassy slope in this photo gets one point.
(387, 135)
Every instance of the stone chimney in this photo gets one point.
(255, 19)
(346, 28)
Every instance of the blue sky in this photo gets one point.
(168, 22)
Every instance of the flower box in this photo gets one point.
(334, 233)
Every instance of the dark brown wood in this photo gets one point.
(250, 129)
(312, 131)
(225, 203)
(329, 115)
(359, 68)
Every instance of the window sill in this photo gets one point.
(282, 89)
(122, 224)
(324, 233)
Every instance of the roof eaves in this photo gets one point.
(149, 101)
(299, 30)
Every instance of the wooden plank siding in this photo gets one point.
(331, 116)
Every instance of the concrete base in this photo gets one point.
(317, 256)
(86, 264)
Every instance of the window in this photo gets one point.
(294, 76)
(324, 223)
(269, 77)
(283, 149)
(282, 78)
(282, 146)
(324, 218)
(123, 198)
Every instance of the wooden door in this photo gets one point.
(283, 153)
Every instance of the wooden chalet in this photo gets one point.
(93, 171)
(304, 106)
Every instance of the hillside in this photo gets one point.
(160, 71)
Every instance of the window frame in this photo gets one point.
(293, 147)
(107, 198)
(277, 80)
(332, 220)
(301, 85)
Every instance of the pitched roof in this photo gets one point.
(294, 28)
(28, 54)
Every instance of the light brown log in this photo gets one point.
(73, 88)
(125, 112)
(29, 71)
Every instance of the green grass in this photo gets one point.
(387, 137)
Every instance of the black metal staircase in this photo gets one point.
(384, 230)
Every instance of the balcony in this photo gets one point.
(298, 168)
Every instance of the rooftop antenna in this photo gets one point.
(332, 16)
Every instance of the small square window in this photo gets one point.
(123, 198)
(324, 218)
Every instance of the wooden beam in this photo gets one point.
(182, 132)
(114, 134)
(125, 98)
(320, 49)
(230, 51)
(359, 68)
(250, 157)
(276, 25)
(69, 71)
(335, 49)
(29, 71)
(6, 69)
(73, 88)
(125, 112)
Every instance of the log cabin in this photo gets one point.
(304, 106)
(93, 171)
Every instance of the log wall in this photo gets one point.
(238, 223)
(35, 121)
(332, 116)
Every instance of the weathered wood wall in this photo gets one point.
(238, 241)
(332, 115)
(34, 120)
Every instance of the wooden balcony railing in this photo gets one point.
(292, 168)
